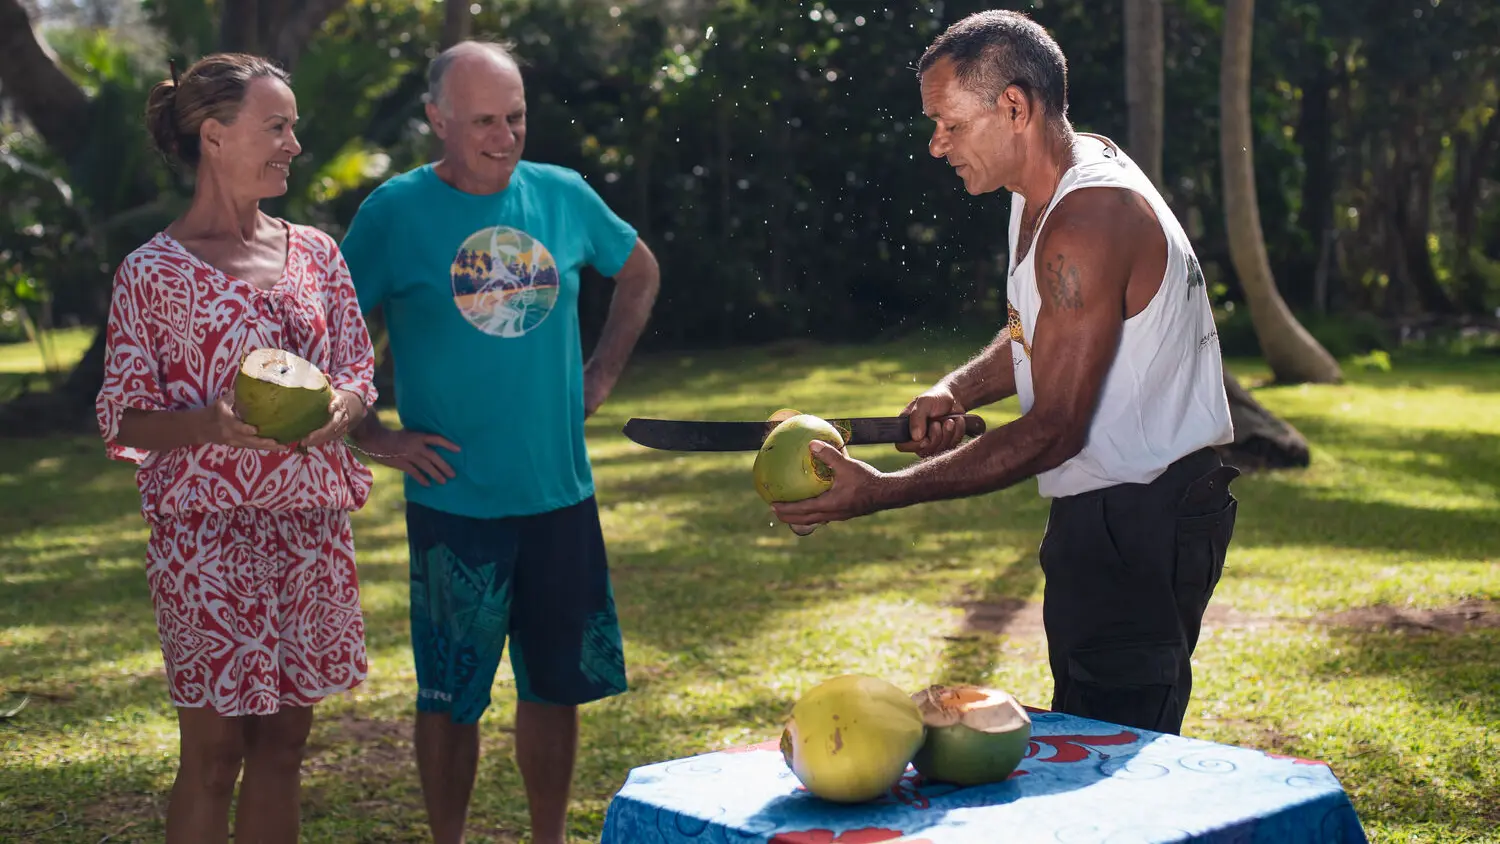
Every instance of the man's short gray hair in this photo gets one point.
(440, 65)
(994, 49)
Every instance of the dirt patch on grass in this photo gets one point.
(1474, 614)
(359, 746)
(378, 754)
(125, 816)
(1015, 617)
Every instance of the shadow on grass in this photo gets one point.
(1453, 679)
(1279, 515)
(1471, 458)
(84, 800)
(976, 653)
(721, 567)
(72, 558)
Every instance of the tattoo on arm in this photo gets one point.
(1062, 285)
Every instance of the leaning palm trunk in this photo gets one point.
(1291, 352)
(1261, 440)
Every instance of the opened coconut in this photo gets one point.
(974, 735)
(785, 469)
(282, 395)
(849, 739)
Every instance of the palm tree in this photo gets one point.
(1293, 354)
(1261, 439)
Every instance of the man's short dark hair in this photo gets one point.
(994, 49)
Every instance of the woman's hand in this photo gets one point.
(346, 411)
(219, 424)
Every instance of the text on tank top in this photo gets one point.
(1163, 396)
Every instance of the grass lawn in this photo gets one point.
(728, 617)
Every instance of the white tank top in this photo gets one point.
(1163, 397)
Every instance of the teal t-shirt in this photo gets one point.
(480, 295)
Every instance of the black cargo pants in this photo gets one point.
(1129, 570)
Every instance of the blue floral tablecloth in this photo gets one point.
(1082, 782)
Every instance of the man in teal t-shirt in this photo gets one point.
(474, 262)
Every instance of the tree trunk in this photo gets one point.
(457, 22)
(239, 26)
(1261, 440)
(1405, 203)
(1143, 84)
(61, 113)
(1293, 354)
(290, 32)
(1472, 156)
(1315, 135)
(57, 108)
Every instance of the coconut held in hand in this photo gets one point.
(849, 739)
(785, 469)
(975, 735)
(282, 395)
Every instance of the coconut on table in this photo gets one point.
(860, 761)
(850, 739)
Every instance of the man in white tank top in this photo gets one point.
(1111, 348)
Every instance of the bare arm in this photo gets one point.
(1084, 257)
(1086, 253)
(164, 430)
(412, 452)
(989, 377)
(636, 286)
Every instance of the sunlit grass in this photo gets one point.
(728, 617)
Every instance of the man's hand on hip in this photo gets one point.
(596, 389)
(410, 451)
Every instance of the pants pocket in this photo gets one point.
(1132, 684)
(1202, 546)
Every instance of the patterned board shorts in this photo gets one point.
(541, 581)
(256, 609)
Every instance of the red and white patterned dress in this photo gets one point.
(251, 555)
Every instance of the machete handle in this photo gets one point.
(973, 425)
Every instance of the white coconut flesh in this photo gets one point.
(285, 397)
(981, 710)
(275, 366)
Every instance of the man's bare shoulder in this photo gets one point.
(1108, 217)
(1090, 242)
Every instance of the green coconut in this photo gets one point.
(785, 469)
(849, 739)
(975, 735)
(284, 397)
(783, 414)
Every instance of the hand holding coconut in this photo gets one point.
(853, 490)
(804, 474)
(345, 411)
(219, 424)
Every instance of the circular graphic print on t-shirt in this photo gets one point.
(504, 281)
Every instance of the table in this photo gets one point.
(1082, 782)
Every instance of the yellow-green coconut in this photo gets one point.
(850, 738)
(785, 469)
(283, 396)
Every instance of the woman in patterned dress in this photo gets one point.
(251, 557)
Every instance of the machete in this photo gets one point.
(687, 435)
